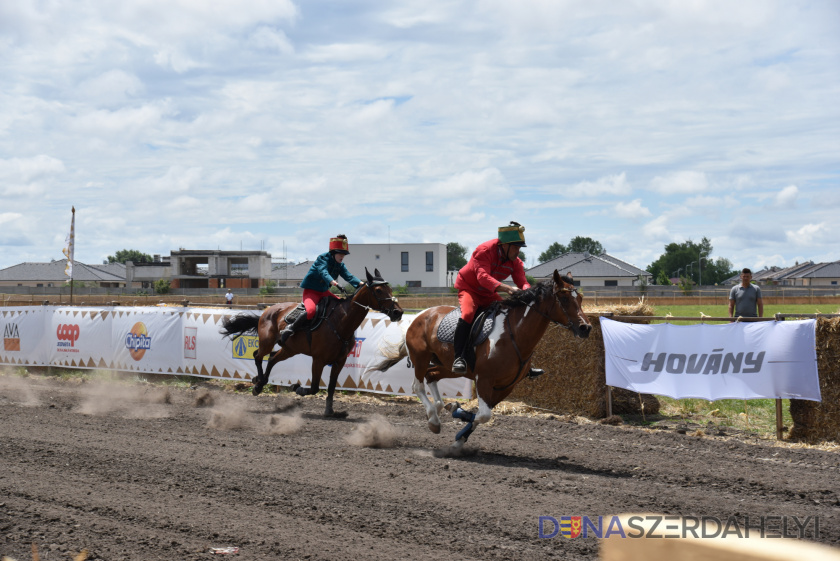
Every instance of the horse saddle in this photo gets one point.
(322, 310)
(481, 328)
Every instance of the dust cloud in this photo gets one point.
(375, 433)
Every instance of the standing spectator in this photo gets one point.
(745, 298)
(229, 298)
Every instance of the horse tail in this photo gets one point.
(240, 324)
(393, 352)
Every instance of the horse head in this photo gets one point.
(381, 297)
(569, 300)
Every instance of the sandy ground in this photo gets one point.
(146, 472)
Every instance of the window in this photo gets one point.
(412, 284)
(576, 282)
(833, 282)
(430, 261)
(404, 261)
(610, 283)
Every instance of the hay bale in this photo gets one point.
(575, 379)
(817, 422)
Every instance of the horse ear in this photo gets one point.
(557, 279)
(369, 278)
(376, 273)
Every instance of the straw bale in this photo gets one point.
(575, 379)
(820, 421)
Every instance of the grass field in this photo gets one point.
(723, 311)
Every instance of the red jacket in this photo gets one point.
(485, 269)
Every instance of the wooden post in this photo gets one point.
(609, 401)
(779, 424)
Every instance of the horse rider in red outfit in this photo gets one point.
(479, 283)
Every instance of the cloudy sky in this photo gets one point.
(276, 124)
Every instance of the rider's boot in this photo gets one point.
(291, 328)
(462, 332)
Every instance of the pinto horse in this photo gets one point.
(328, 344)
(502, 360)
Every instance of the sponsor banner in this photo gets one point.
(23, 334)
(375, 330)
(78, 337)
(772, 359)
(166, 340)
(147, 339)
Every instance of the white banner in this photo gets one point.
(25, 340)
(170, 340)
(744, 360)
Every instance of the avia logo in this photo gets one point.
(138, 341)
(356, 351)
(717, 362)
(11, 337)
(67, 334)
(190, 341)
(244, 347)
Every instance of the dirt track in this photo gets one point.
(126, 475)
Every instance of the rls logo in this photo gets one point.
(67, 332)
(190, 344)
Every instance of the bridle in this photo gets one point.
(556, 302)
(393, 299)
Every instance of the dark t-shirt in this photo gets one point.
(746, 300)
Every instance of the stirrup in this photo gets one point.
(285, 334)
(459, 366)
(535, 373)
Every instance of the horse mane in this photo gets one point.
(528, 296)
(535, 293)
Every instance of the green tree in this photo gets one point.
(162, 286)
(124, 255)
(678, 257)
(579, 244)
(554, 250)
(456, 256)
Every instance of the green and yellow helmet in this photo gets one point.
(515, 234)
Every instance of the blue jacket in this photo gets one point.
(323, 271)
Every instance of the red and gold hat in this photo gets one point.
(339, 244)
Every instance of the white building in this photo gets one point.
(407, 264)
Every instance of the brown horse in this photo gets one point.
(328, 344)
(502, 360)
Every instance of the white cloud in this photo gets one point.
(810, 234)
(632, 210)
(608, 185)
(786, 198)
(682, 182)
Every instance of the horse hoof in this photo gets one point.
(294, 387)
(257, 389)
(336, 415)
(300, 390)
(435, 428)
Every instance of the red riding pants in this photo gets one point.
(470, 303)
(311, 299)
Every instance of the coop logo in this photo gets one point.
(67, 334)
(716, 362)
(356, 351)
(11, 337)
(190, 341)
(673, 526)
(137, 341)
